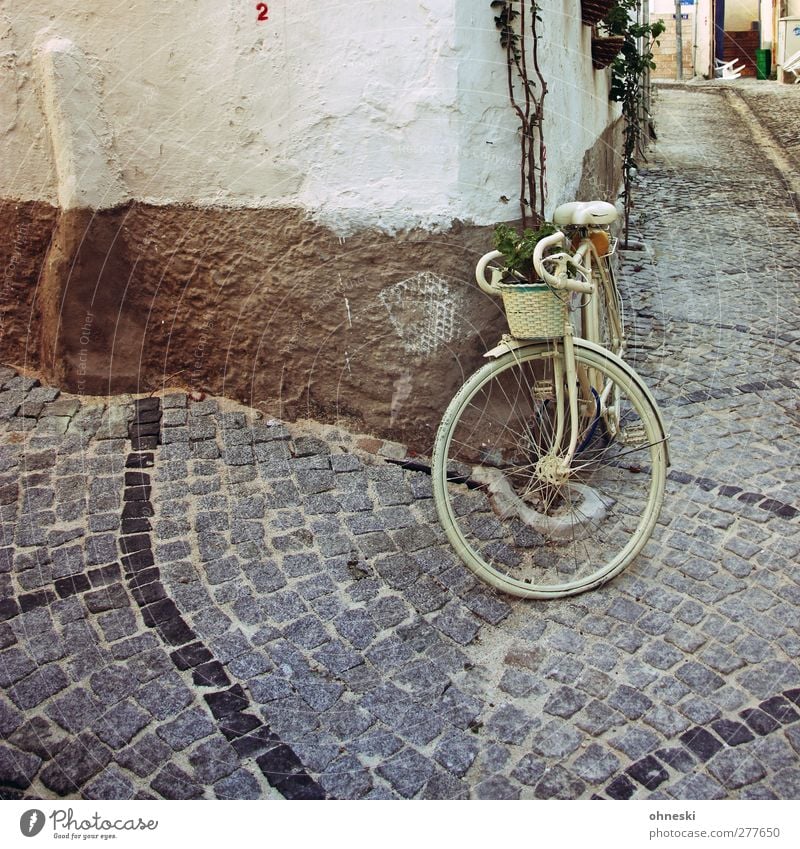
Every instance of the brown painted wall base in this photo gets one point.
(25, 232)
(260, 305)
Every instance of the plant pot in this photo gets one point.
(593, 11)
(606, 50)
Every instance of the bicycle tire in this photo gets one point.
(573, 537)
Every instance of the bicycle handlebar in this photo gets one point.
(488, 286)
(559, 280)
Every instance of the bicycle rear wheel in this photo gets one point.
(611, 333)
(517, 530)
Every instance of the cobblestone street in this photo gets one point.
(201, 603)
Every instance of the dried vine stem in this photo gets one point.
(530, 108)
(629, 86)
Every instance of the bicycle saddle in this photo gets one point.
(581, 213)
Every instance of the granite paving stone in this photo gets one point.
(110, 784)
(456, 752)
(213, 760)
(17, 769)
(496, 787)
(559, 783)
(241, 784)
(620, 788)
(697, 787)
(596, 764)
(31, 691)
(635, 742)
(74, 711)
(80, 760)
(649, 772)
(173, 783)
(121, 724)
(347, 778)
(555, 739)
(406, 772)
(10, 717)
(761, 723)
(39, 736)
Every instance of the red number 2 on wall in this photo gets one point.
(263, 12)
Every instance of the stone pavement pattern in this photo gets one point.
(199, 603)
(777, 108)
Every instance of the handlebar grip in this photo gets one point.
(538, 256)
(557, 281)
(488, 286)
(574, 285)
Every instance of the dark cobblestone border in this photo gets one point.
(700, 396)
(698, 744)
(754, 499)
(248, 735)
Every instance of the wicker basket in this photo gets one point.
(533, 311)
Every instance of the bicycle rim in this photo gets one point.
(514, 529)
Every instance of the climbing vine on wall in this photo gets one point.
(629, 81)
(527, 88)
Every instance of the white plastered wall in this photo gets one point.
(369, 113)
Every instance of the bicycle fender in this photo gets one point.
(507, 344)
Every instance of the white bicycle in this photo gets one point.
(550, 462)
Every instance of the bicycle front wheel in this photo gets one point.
(516, 524)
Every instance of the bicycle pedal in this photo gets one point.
(544, 390)
(634, 436)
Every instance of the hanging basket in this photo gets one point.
(605, 50)
(593, 11)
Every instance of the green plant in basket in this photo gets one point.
(517, 250)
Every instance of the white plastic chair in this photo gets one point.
(727, 70)
(792, 66)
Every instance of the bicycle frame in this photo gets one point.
(597, 268)
(593, 264)
(598, 283)
(595, 280)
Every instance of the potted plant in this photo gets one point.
(533, 310)
(609, 37)
(517, 251)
